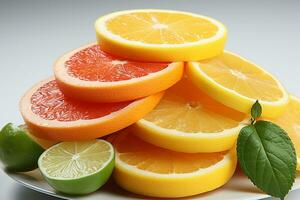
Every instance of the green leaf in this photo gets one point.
(267, 156)
(256, 110)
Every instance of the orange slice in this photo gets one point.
(149, 170)
(188, 120)
(90, 74)
(290, 122)
(49, 114)
(160, 35)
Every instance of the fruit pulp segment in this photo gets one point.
(50, 103)
(187, 109)
(93, 64)
(161, 27)
(147, 157)
(242, 77)
(75, 159)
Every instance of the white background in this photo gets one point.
(35, 33)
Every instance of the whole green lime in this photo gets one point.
(18, 152)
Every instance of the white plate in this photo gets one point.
(238, 188)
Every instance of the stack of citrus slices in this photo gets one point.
(175, 100)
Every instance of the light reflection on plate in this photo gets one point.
(238, 188)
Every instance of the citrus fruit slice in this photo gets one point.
(187, 120)
(90, 74)
(290, 122)
(238, 83)
(18, 152)
(49, 114)
(77, 168)
(45, 144)
(160, 35)
(149, 170)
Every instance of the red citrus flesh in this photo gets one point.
(50, 103)
(93, 64)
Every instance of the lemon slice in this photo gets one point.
(238, 83)
(160, 35)
(77, 168)
(146, 169)
(188, 120)
(290, 122)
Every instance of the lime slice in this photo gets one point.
(18, 151)
(77, 168)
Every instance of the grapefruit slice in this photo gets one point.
(49, 114)
(160, 35)
(149, 170)
(90, 74)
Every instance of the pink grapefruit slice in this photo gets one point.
(51, 115)
(90, 74)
